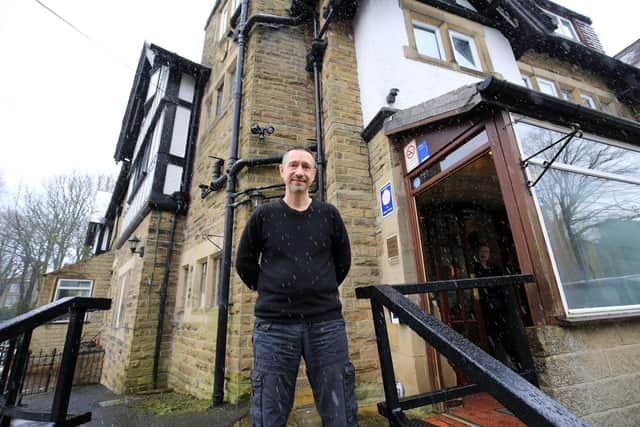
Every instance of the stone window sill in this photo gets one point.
(598, 318)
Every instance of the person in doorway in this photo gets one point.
(295, 252)
(494, 305)
(483, 267)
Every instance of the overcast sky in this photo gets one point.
(62, 96)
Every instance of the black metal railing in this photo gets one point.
(17, 333)
(43, 369)
(520, 396)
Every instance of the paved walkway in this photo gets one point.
(111, 410)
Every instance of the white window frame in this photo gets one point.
(566, 94)
(588, 99)
(597, 312)
(56, 295)
(222, 29)
(472, 45)
(527, 81)
(560, 28)
(120, 311)
(431, 28)
(219, 100)
(203, 269)
(551, 83)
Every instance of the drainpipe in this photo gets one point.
(235, 166)
(163, 296)
(315, 57)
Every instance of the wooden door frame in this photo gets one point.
(523, 219)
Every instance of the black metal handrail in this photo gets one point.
(18, 332)
(521, 397)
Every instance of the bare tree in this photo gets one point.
(44, 229)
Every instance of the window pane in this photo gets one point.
(427, 42)
(593, 231)
(219, 98)
(588, 101)
(567, 29)
(566, 95)
(203, 284)
(450, 159)
(579, 152)
(463, 52)
(63, 293)
(547, 87)
(75, 284)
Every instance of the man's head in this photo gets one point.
(298, 169)
(484, 252)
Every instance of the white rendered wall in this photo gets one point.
(180, 131)
(380, 37)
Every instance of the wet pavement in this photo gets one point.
(111, 410)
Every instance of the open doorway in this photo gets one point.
(465, 233)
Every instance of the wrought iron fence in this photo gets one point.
(43, 368)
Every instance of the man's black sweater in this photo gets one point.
(295, 260)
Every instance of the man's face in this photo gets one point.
(484, 253)
(299, 171)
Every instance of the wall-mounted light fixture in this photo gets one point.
(133, 245)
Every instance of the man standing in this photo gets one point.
(295, 252)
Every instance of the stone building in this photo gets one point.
(422, 113)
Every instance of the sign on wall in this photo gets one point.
(415, 154)
(386, 199)
(411, 156)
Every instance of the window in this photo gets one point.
(587, 101)
(547, 87)
(448, 160)
(121, 303)
(73, 288)
(564, 27)
(588, 202)
(464, 50)
(428, 41)
(234, 5)
(445, 40)
(181, 299)
(219, 99)
(527, 82)
(203, 284)
(566, 94)
(222, 29)
(232, 81)
(153, 84)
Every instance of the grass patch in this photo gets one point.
(164, 404)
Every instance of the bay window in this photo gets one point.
(589, 204)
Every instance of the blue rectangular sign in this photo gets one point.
(423, 151)
(386, 199)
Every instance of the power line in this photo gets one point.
(85, 35)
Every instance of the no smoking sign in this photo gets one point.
(410, 156)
